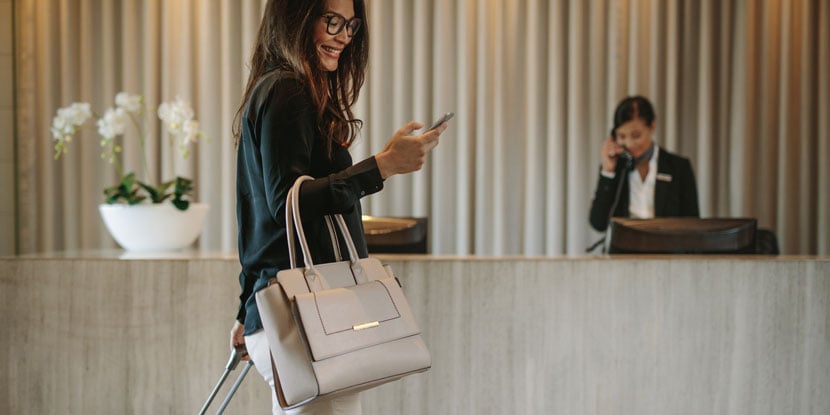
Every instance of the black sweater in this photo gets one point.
(280, 141)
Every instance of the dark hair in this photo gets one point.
(633, 107)
(286, 42)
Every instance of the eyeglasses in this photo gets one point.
(335, 24)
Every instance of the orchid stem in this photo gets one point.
(142, 142)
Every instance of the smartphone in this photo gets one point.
(446, 117)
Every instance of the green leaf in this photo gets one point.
(158, 194)
(126, 190)
(131, 191)
(181, 204)
(183, 188)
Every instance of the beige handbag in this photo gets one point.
(338, 327)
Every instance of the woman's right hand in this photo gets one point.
(609, 153)
(406, 153)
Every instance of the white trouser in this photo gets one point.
(257, 346)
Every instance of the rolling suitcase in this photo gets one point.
(233, 361)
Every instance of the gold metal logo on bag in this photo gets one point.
(365, 326)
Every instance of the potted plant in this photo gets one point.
(139, 214)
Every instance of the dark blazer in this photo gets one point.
(675, 191)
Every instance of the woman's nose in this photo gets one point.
(343, 37)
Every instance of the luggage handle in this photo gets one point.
(233, 361)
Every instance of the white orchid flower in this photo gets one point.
(68, 119)
(113, 123)
(190, 132)
(77, 113)
(66, 124)
(175, 115)
(129, 103)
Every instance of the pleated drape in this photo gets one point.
(741, 87)
(86, 50)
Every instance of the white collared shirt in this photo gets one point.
(641, 192)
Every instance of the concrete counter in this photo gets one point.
(109, 333)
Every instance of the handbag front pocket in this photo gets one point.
(341, 320)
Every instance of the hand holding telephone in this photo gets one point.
(446, 117)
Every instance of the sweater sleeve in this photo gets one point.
(287, 136)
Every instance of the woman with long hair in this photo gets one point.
(296, 118)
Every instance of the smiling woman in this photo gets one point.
(296, 119)
(328, 39)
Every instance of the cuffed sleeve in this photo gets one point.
(247, 285)
(339, 192)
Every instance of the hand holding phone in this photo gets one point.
(407, 150)
(446, 117)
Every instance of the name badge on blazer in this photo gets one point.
(664, 177)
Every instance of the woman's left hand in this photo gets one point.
(406, 153)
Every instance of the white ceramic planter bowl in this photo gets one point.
(154, 227)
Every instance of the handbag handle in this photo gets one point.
(294, 223)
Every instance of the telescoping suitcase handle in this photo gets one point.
(236, 356)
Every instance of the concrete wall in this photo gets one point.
(620, 335)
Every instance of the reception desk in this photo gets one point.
(96, 333)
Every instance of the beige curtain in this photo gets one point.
(741, 87)
(87, 50)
